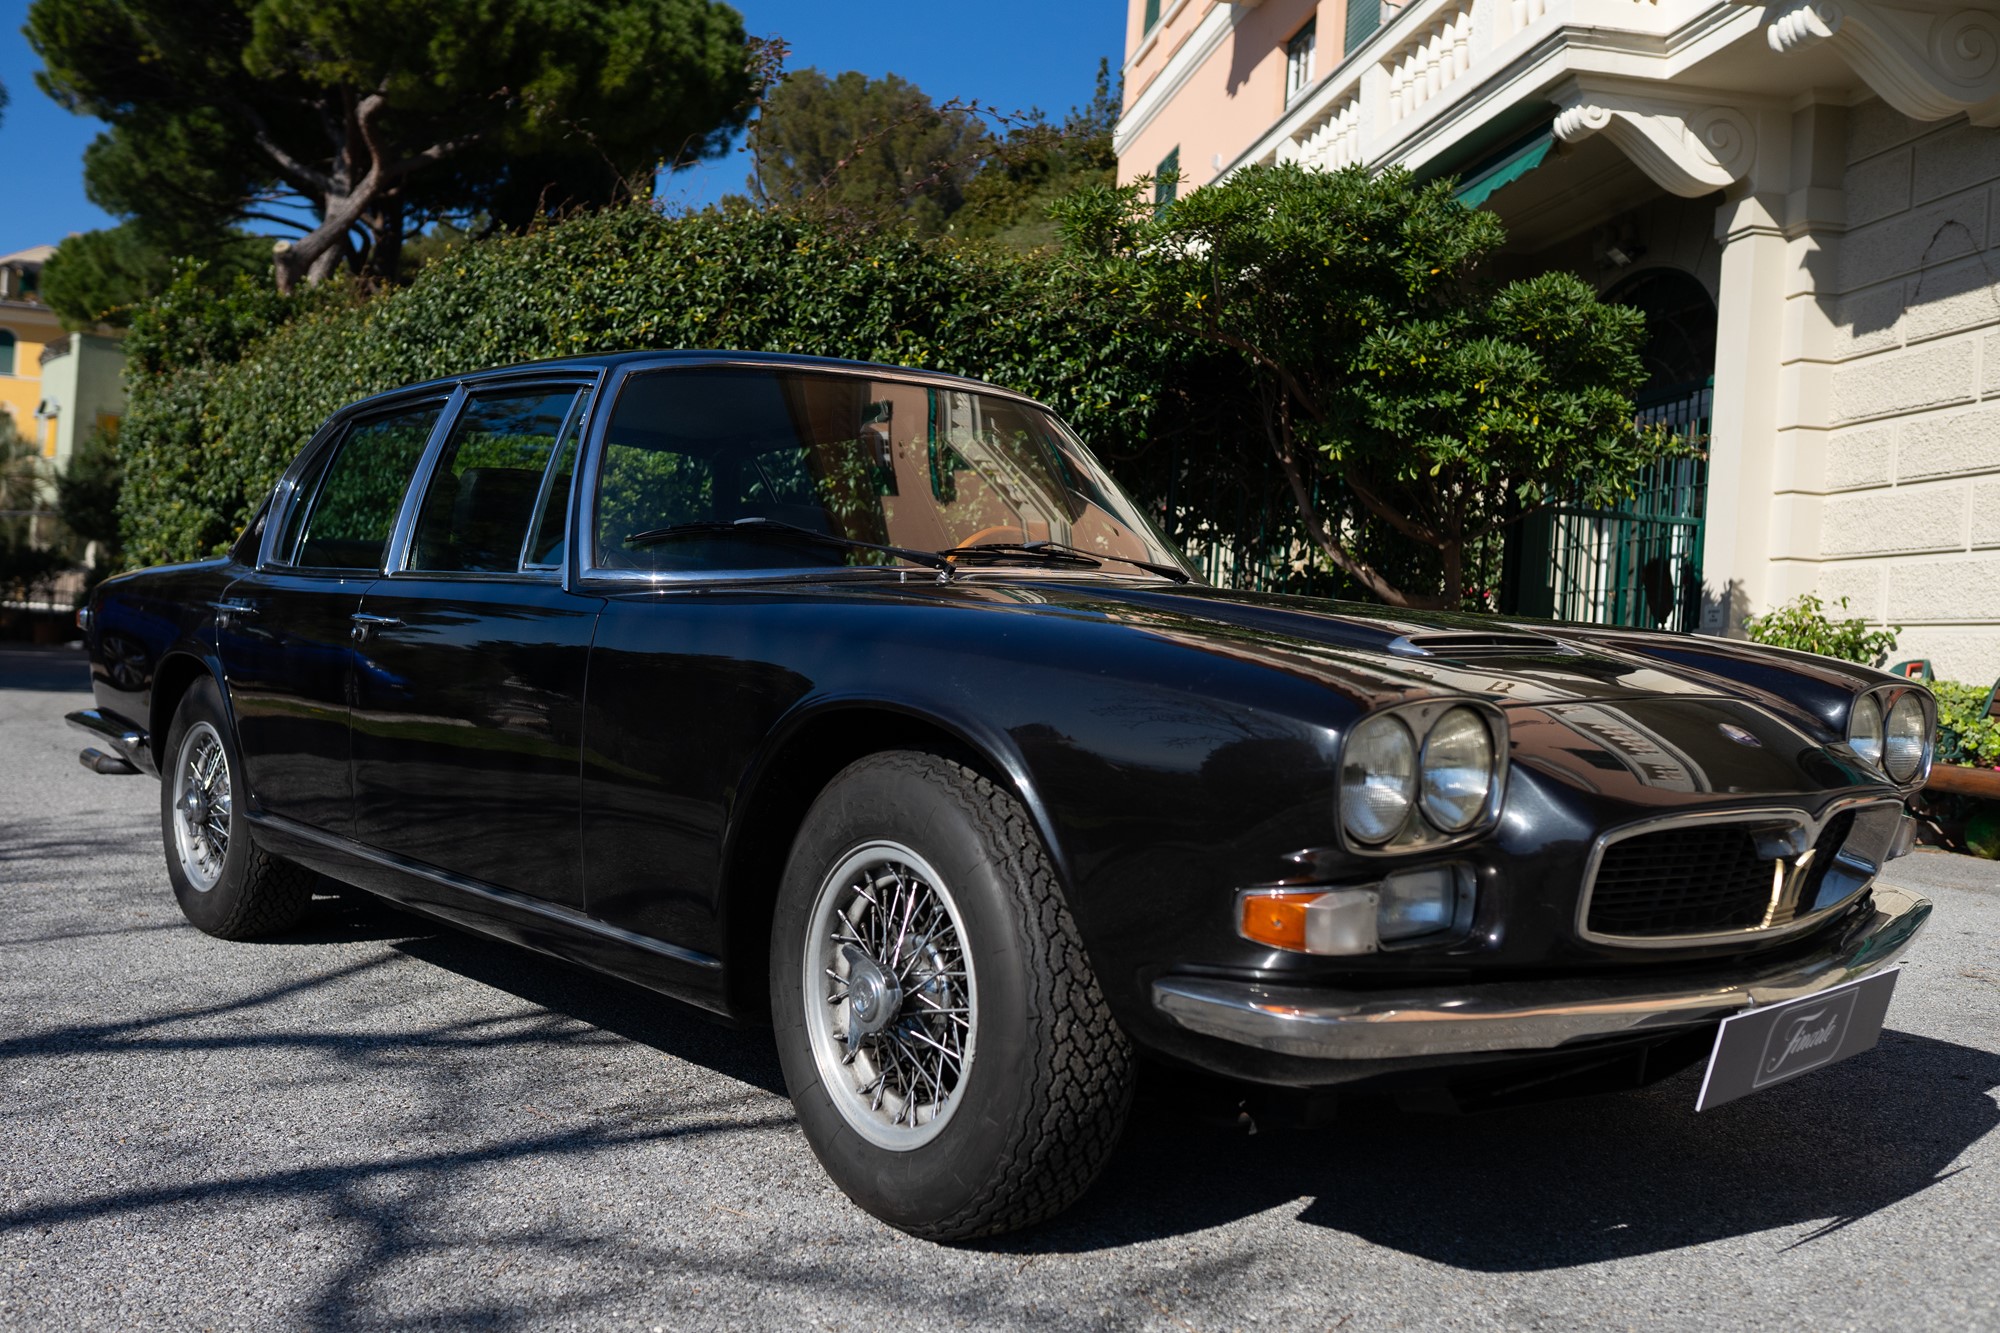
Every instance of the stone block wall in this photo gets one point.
(1909, 527)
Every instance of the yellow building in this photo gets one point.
(26, 327)
(55, 387)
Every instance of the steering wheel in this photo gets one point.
(1001, 532)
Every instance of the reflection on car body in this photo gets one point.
(860, 701)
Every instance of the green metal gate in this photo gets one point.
(1639, 563)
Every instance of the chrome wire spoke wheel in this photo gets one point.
(891, 999)
(201, 806)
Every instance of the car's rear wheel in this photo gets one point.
(948, 1050)
(225, 883)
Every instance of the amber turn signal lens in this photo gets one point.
(1276, 919)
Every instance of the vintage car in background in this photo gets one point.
(860, 701)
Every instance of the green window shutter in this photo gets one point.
(1166, 182)
(1152, 17)
(1363, 18)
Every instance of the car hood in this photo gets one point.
(1378, 653)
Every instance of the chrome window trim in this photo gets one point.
(578, 422)
(581, 575)
(1812, 825)
(330, 437)
(286, 493)
(397, 561)
(398, 552)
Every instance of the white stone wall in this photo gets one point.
(1909, 527)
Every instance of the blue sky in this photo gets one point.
(1026, 53)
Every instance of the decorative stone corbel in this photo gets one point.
(1686, 143)
(1929, 59)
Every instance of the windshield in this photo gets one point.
(881, 462)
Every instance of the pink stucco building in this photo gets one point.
(1803, 195)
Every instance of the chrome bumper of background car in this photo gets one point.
(127, 740)
(1531, 1015)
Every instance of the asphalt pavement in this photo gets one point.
(385, 1124)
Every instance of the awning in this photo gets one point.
(1505, 167)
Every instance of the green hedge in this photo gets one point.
(224, 394)
(1965, 734)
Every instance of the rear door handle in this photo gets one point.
(365, 624)
(232, 610)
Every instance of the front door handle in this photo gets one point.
(231, 610)
(365, 624)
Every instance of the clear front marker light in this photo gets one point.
(1378, 779)
(1458, 770)
(1406, 909)
(1905, 737)
(1864, 729)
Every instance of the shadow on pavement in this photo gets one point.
(51, 669)
(608, 1004)
(1524, 1189)
(1520, 1190)
(1567, 1183)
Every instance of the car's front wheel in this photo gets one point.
(225, 883)
(948, 1050)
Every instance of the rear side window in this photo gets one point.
(495, 502)
(346, 521)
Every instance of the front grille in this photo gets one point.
(1705, 880)
(1684, 881)
(1831, 840)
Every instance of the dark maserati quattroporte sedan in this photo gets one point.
(861, 702)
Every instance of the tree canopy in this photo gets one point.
(1012, 197)
(1396, 389)
(97, 277)
(351, 125)
(877, 150)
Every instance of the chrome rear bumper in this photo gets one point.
(129, 741)
(1528, 1015)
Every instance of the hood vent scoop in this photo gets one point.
(1477, 643)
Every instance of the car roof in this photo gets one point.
(610, 361)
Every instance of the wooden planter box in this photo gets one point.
(1959, 780)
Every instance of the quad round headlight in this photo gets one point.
(1378, 779)
(1864, 729)
(1457, 770)
(1905, 736)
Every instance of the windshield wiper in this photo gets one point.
(1056, 552)
(766, 527)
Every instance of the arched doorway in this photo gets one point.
(1639, 564)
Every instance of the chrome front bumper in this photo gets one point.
(1528, 1015)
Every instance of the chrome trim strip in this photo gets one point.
(1811, 825)
(1527, 1015)
(584, 574)
(131, 743)
(396, 552)
(465, 884)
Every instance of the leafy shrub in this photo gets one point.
(1965, 734)
(225, 393)
(1804, 624)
